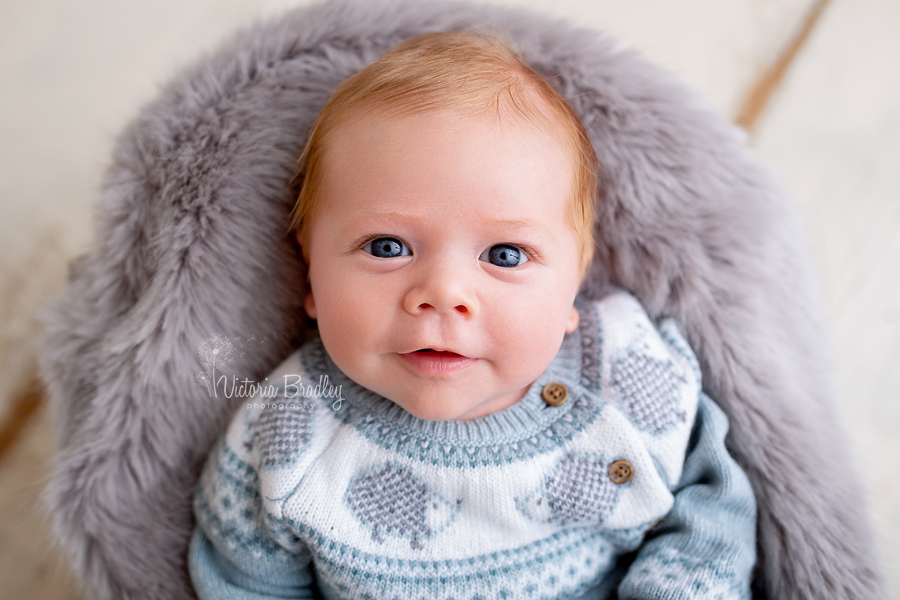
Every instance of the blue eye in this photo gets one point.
(386, 247)
(504, 255)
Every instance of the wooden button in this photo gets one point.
(621, 472)
(554, 394)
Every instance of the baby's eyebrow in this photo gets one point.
(398, 215)
(523, 224)
(517, 224)
(376, 217)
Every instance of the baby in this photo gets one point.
(494, 436)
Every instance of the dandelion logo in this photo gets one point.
(215, 353)
(202, 379)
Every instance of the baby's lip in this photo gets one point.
(436, 361)
(439, 351)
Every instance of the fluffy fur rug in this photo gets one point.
(191, 242)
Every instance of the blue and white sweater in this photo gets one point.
(624, 490)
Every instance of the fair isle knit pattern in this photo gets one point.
(307, 496)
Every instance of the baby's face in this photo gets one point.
(443, 264)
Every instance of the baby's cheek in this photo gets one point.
(532, 341)
(340, 326)
(355, 330)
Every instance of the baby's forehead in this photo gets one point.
(394, 167)
(458, 150)
(544, 130)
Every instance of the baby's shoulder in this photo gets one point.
(287, 421)
(623, 319)
(646, 372)
(629, 346)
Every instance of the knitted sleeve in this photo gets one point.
(238, 551)
(705, 546)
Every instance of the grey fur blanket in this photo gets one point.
(191, 242)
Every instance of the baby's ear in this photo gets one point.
(571, 324)
(299, 242)
(310, 305)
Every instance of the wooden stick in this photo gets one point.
(757, 99)
(25, 404)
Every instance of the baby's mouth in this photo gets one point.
(433, 361)
(437, 352)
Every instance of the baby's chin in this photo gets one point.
(429, 409)
(438, 409)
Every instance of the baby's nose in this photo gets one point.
(444, 290)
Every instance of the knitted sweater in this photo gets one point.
(623, 490)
